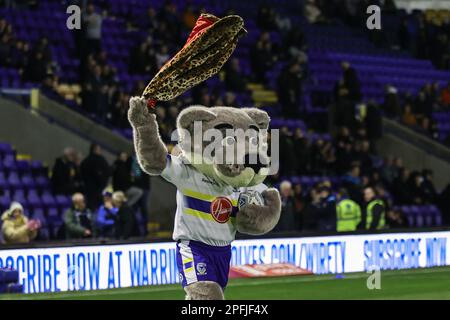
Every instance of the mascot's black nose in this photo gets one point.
(254, 161)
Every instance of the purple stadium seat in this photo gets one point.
(14, 180)
(4, 184)
(48, 200)
(9, 162)
(436, 214)
(418, 213)
(409, 215)
(63, 201)
(42, 181)
(28, 181)
(23, 165)
(34, 200)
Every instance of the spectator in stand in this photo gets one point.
(388, 171)
(263, 57)
(391, 105)
(403, 34)
(283, 23)
(289, 220)
(95, 172)
(141, 180)
(43, 47)
(327, 209)
(92, 23)
(122, 179)
(143, 58)
(302, 152)
(234, 79)
(444, 205)
(189, 17)
(266, 18)
(373, 123)
(20, 55)
(121, 172)
(106, 217)
(427, 186)
(150, 22)
(287, 153)
(16, 228)
(162, 56)
(37, 68)
(125, 219)
(352, 182)
(313, 13)
(415, 183)
(97, 85)
(351, 82)
(312, 211)
(169, 23)
(78, 219)
(408, 116)
(445, 97)
(300, 203)
(66, 178)
(374, 210)
(395, 219)
(346, 94)
(290, 89)
(5, 50)
(401, 187)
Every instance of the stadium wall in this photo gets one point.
(92, 267)
(417, 151)
(83, 126)
(29, 133)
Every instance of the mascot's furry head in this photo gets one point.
(208, 47)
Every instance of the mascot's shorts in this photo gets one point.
(197, 261)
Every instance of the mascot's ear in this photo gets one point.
(187, 116)
(261, 117)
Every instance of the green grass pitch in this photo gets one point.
(433, 283)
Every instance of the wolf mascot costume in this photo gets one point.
(208, 214)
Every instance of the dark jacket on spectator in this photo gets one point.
(125, 223)
(95, 173)
(66, 177)
(122, 175)
(76, 222)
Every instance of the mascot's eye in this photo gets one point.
(228, 141)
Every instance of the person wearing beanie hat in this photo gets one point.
(106, 216)
(16, 227)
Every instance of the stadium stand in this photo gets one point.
(290, 64)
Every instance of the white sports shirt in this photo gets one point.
(206, 210)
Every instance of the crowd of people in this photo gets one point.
(368, 185)
(34, 62)
(351, 155)
(106, 199)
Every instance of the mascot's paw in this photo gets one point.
(138, 114)
(255, 219)
(204, 290)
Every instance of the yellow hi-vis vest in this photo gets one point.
(348, 215)
(369, 214)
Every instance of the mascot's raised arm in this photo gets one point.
(220, 186)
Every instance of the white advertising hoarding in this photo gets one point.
(115, 266)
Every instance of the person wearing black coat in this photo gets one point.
(125, 220)
(121, 178)
(65, 174)
(95, 172)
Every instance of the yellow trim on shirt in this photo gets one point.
(205, 197)
(187, 260)
(203, 215)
